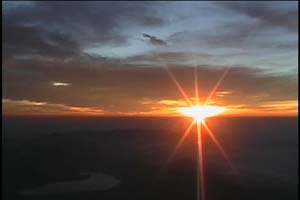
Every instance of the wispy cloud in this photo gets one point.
(60, 84)
(154, 40)
(27, 107)
(267, 13)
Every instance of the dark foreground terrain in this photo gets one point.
(57, 158)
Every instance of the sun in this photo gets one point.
(200, 112)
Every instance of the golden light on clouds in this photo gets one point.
(23, 102)
(163, 107)
(168, 102)
(270, 108)
(60, 84)
(26, 107)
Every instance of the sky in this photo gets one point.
(112, 58)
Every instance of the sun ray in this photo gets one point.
(196, 85)
(216, 86)
(179, 87)
(187, 131)
(194, 111)
(214, 139)
(200, 164)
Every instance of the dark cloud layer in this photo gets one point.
(61, 28)
(31, 41)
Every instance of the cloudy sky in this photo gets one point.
(113, 58)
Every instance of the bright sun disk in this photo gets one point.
(199, 112)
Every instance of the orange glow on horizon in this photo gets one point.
(155, 108)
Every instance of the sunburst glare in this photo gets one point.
(199, 113)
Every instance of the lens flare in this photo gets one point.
(199, 113)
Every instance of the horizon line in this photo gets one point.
(141, 115)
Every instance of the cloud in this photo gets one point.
(268, 108)
(235, 37)
(60, 84)
(86, 22)
(46, 41)
(264, 30)
(279, 14)
(154, 40)
(153, 83)
(155, 58)
(27, 107)
(61, 29)
(28, 41)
